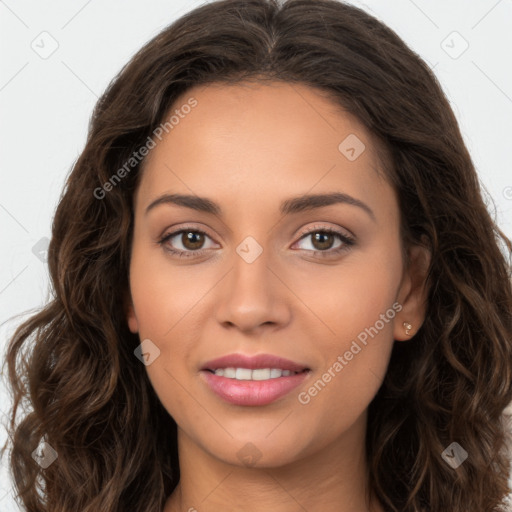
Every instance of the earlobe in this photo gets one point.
(407, 327)
(413, 294)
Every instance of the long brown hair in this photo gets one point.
(72, 367)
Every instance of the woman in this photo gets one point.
(276, 284)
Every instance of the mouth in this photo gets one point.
(252, 380)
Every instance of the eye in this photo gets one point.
(191, 241)
(323, 238)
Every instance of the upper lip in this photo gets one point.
(253, 362)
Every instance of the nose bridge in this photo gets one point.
(252, 295)
(250, 282)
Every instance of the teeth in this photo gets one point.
(257, 374)
(229, 372)
(243, 374)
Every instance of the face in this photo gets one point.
(263, 271)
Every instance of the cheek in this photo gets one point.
(165, 299)
(344, 300)
(357, 308)
(162, 293)
(354, 365)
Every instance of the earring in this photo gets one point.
(407, 327)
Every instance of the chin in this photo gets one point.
(258, 451)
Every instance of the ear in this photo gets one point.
(413, 293)
(129, 309)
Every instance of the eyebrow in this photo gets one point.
(288, 207)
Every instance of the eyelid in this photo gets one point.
(300, 234)
(176, 231)
(325, 227)
(173, 230)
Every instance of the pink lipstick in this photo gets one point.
(253, 380)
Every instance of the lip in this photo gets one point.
(252, 392)
(253, 362)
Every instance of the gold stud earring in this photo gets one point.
(407, 327)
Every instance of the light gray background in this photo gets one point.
(46, 102)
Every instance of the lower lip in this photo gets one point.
(252, 392)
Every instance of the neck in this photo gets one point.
(331, 479)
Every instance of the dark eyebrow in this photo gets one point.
(289, 206)
(312, 201)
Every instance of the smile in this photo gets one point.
(254, 387)
(252, 380)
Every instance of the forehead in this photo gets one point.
(255, 142)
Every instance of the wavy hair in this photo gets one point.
(71, 367)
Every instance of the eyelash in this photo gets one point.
(348, 241)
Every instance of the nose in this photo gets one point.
(254, 296)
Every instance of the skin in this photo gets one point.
(248, 147)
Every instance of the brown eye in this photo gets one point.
(326, 242)
(186, 242)
(192, 240)
(322, 240)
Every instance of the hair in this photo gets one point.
(71, 365)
